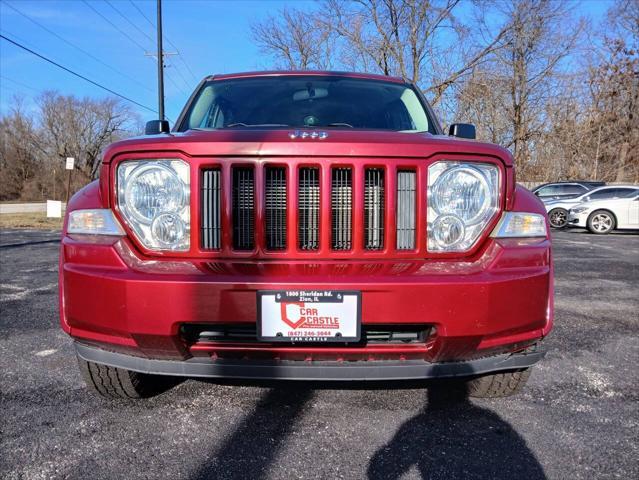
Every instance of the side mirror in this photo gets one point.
(155, 127)
(462, 130)
(537, 193)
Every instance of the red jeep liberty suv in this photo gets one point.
(306, 226)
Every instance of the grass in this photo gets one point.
(37, 220)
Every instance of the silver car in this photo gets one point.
(558, 210)
(604, 216)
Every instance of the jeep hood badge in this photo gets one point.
(304, 134)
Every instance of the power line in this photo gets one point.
(119, 12)
(167, 41)
(76, 74)
(166, 65)
(11, 91)
(113, 25)
(176, 85)
(129, 21)
(77, 47)
(180, 75)
(24, 85)
(129, 37)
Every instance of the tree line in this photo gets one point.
(35, 142)
(560, 92)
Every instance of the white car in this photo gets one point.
(603, 216)
(558, 210)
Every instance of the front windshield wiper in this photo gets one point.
(249, 125)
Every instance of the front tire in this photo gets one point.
(117, 383)
(558, 217)
(503, 384)
(601, 222)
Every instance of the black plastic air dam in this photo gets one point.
(299, 370)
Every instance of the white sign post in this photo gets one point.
(69, 166)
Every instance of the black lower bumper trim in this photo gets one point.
(299, 370)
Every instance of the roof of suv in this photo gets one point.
(625, 185)
(605, 187)
(584, 183)
(319, 73)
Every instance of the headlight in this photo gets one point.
(153, 196)
(462, 199)
(578, 210)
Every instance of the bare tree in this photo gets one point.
(522, 77)
(483, 100)
(33, 145)
(19, 160)
(296, 40)
(81, 128)
(420, 40)
(591, 128)
(614, 88)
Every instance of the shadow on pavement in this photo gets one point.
(252, 448)
(453, 438)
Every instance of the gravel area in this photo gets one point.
(578, 417)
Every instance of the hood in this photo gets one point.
(278, 142)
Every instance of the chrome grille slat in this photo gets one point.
(406, 211)
(243, 208)
(308, 208)
(275, 208)
(341, 208)
(211, 219)
(374, 209)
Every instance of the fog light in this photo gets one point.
(168, 229)
(448, 230)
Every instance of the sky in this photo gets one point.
(210, 36)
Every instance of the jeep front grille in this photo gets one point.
(305, 208)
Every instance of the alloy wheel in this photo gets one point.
(558, 218)
(601, 222)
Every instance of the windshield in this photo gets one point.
(307, 101)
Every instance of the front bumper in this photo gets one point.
(578, 219)
(317, 370)
(498, 302)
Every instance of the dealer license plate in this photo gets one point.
(309, 315)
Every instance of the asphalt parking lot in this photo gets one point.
(577, 418)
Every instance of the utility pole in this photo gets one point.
(160, 63)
